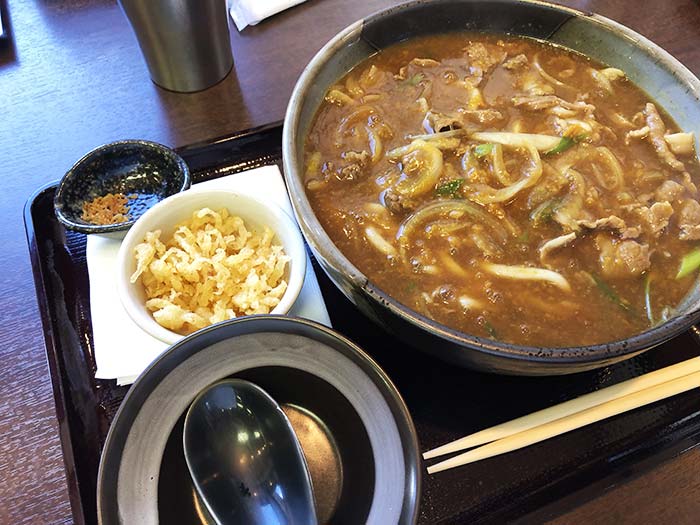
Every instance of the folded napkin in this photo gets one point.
(250, 12)
(122, 350)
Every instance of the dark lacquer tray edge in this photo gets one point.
(52, 358)
(649, 459)
(644, 458)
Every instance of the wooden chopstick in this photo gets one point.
(567, 408)
(573, 421)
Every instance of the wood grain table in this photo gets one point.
(72, 77)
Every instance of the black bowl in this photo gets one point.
(647, 65)
(144, 171)
(362, 448)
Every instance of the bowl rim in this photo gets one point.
(184, 349)
(287, 232)
(89, 156)
(330, 255)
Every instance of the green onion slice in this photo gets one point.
(565, 143)
(611, 294)
(414, 80)
(449, 188)
(482, 150)
(689, 263)
(490, 330)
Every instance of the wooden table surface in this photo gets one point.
(72, 78)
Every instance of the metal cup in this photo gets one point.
(185, 43)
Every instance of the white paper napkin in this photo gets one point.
(122, 349)
(250, 12)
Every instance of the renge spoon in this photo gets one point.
(244, 457)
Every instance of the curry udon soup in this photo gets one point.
(508, 189)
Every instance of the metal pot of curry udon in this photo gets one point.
(510, 186)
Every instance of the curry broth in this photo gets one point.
(452, 224)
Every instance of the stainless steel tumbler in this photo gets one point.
(185, 42)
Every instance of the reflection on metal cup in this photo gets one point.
(186, 43)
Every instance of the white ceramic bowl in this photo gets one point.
(168, 213)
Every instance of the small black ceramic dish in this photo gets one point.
(354, 428)
(144, 172)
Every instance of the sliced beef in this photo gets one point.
(358, 157)
(515, 62)
(669, 191)
(484, 116)
(689, 220)
(688, 184)
(355, 165)
(537, 102)
(397, 203)
(435, 122)
(483, 57)
(622, 259)
(349, 172)
(614, 223)
(655, 218)
(425, 62)
(657, 130)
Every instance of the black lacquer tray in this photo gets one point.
(446, 402)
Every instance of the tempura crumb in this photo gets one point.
(212, 269)
(107, 209)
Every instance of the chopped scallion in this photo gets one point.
(565, 143)
(414, 80)
(449, 188)
(611, 294)
(544, 212)
(490, 330)
(689, 263)
(482, 150)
